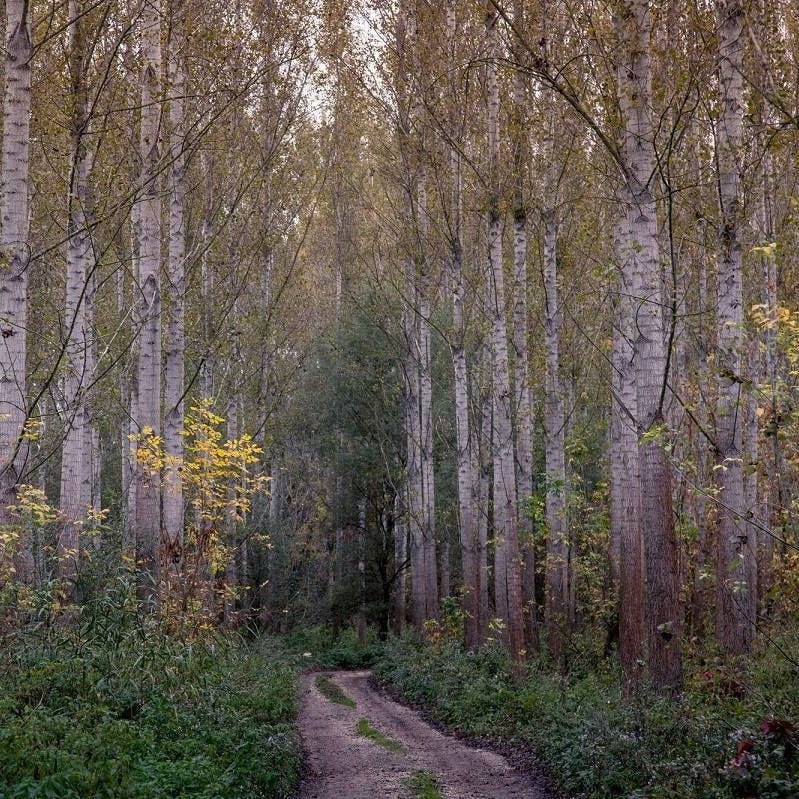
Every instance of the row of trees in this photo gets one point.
(497, 295)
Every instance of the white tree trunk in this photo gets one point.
(657, 519)
(148, 493)
(75, 488)
(14, 251)
(506, 532)
(735, 595)
(521, 386)
(557, 566)
(173, 507)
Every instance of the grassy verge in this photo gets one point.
(111, 705)
(718, 742)
(333, 692)
(425, 786)
(366, 730)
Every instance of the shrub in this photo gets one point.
(711, 744)
(110, 705)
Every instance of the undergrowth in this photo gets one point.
(320, 646)
(108, 703)
(720, 741)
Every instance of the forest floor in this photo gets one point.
(360, 744)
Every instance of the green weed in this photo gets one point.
(366, 730)
(333, 692)
(425, 785)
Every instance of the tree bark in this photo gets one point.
(15, 255)
(148, 488)
(657, 519)
(506, 530)
(75, 488)
(735, 595)
(521, 375)
(173, 507)
(625, 493)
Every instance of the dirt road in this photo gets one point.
(345, 765)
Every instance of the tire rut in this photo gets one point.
(342, 765)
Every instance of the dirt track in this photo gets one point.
(343, 765)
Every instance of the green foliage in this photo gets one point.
(425, 785)
(107, 704)
(321, 647)
(366, 730)
(333, 692)
(716, 743)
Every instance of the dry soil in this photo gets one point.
(343, 765)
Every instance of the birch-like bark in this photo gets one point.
(424, 357)
(174, 421)
(75, 488)
(481, 475)
(466, 510)
(660, 543)
(14, 258)
(413, 466)
(148, 493)
(506, 528)
(735, 595)
(521, 375)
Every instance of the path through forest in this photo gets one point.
(341, 764)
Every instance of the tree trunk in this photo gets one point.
(148, 492)
(75, 487)
(557, 567)
(174, 421)
(506, 531)
(657, 519)
(466, 510)
(735, 595)
(625, 494)
(521, 387)
(14, 249)
(400, 556)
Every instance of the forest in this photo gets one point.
(399, 398)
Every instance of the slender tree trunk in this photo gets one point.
(413, 464)
(400, 556)
(75, 462)
(466, 510)
(428, 518)
(207, 276)
(148, 493)
(557, 568)
(625, 494)
(231, 581)
(14, 249)
(362, 570)
(174, 369)
(505, 499)
(657, 519)
(735, 595)
(521, 388)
